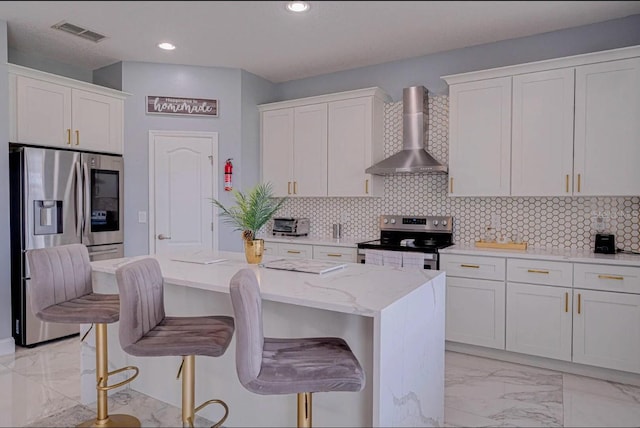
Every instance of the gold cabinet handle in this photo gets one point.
(578, 183)
(566, 302)
(288, 187)
(293, 252)
(68, 136)
(295, 187)
(470, 266)
(334, 255)
(366, 186)
(566, 183)
(579, 303)
(618, 278)
(537, 271)
(77, 137)
(451, 185)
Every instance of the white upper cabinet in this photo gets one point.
(351, 149)
(480, 138)
(542, 134)
(607, 143)
(570, 127)
(49, 110)
(310, 150)
(321, 146)
(277, 149)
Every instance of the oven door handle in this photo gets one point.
(87, 201)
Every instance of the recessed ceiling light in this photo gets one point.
(166, 46)
(298, 6)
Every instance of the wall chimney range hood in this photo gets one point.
(413, 158)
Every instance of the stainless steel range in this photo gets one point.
(424, 235)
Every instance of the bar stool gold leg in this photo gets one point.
(188, 390)
(304, 409)
(102, 375)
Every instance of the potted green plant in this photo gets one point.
(252, 210)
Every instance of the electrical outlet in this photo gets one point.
(142, 216)
(495, 221)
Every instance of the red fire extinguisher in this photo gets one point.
(228, 170)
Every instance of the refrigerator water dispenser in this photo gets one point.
(48, 217)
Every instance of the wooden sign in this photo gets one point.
(182, 106)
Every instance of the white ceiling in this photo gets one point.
(265, 39)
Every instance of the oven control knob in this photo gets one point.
(385, 221)
(393, 221)
(444, 223)
(435, 222)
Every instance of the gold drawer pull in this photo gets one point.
(566, 302)
(566, 183)
(619, 278)
(68, 136)
(295, 187)
(451, 185)
(579, 303)
(470, 266)
(366, 186)
(288, 187)
(537, 271)
(578, 183)
(293, 252)
(77, 137)
(334, 255)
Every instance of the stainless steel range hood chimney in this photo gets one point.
(413, 158)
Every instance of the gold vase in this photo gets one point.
(253, 250)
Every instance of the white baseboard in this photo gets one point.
(7, 346)
(546, 363)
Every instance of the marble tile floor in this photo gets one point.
(40, 387)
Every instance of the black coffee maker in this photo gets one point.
(605, 243)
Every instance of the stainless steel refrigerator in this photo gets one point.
(59, 197)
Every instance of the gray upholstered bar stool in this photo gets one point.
(145, 331)
(271, 366)
(62, 291)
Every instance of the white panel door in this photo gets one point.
(480, 138)
(349, 147)
(184, 186)
(475, 312)
(97, 122)
(607, 128)
(310, 150)
(43, 113)
(539, 320)
(606, 329)
(277, 150)
(542, 134)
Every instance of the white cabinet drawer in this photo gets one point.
(479, 267)
(298, 251)
(338, 254)
(271, 248)
(607, 277)
(541, 272)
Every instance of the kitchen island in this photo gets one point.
(393, 319)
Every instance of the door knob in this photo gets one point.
(162, 236)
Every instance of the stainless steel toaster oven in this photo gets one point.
(290, 226)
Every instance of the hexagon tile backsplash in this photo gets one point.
(568, 222)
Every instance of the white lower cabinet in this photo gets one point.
(538, 320)
(475, 312)
(310, 251)
(606, 329)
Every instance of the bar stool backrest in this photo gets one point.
(140, 285)
(247, 307)
(58, 274)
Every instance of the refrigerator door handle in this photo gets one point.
(87, 201)
(79, 201)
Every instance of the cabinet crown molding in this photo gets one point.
(66, 81)
(366, 92)
(549, 64)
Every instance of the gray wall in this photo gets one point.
(109, 76)
(223, 84)
(5, 267)
(427, 70)
(49, 65)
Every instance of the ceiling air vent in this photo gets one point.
(79, 31)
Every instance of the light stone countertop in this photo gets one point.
(553, 254)
(357, 289)
(314, 240)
